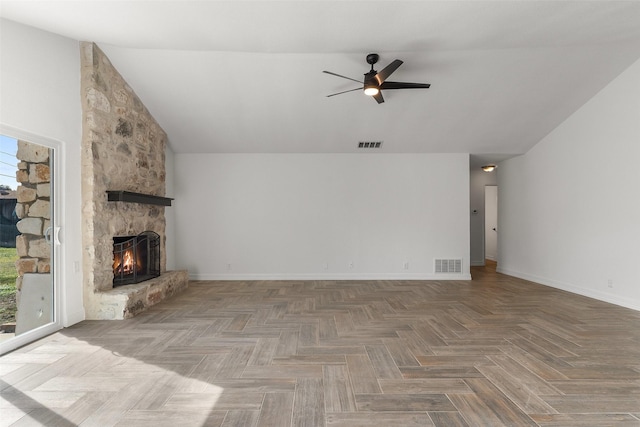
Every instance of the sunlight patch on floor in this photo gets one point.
(118, 389)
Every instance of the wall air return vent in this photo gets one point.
(448, 266)
(369, 144)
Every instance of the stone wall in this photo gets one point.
(123, 149)
(33, 208)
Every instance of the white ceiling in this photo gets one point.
(246, 76)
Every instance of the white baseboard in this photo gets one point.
(590, 293)
(311, 276)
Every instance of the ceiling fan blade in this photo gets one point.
(386, 71)
(378, 97)
(351, 90)
(338, 75)
(403, 85)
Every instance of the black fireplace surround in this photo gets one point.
(136, 258)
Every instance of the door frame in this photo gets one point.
(57, 254)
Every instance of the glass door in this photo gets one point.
(28, 240)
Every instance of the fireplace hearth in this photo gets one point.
(136, 258)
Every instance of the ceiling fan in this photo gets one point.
(375, 82)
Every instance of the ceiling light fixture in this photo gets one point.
(371, 90)
(489, 168)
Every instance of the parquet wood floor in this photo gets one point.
(495, 351)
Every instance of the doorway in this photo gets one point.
(29, 303)
(491, 222)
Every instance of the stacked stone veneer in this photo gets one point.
(33, 208)
(123, 148)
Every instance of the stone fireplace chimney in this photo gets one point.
(123, 149)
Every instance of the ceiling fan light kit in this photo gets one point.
(371, 90)
(375, 82)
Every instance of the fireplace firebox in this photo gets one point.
(136, 258)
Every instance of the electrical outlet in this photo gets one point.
(325, 265)
(350, 264)
(405, 265)
(229, 266)
(610, 283)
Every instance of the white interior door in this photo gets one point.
(491, 222)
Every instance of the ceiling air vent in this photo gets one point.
(448, 266)
(370, 144)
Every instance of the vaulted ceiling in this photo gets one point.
(246, 76)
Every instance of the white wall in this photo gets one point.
(569, 209)
(479, 180)
(40, 98)
(287, 216)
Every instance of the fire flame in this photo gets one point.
(125, 264)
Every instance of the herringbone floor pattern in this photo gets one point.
(495, 351)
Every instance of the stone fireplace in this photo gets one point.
(123, 153)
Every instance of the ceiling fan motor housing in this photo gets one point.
(370, 79)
